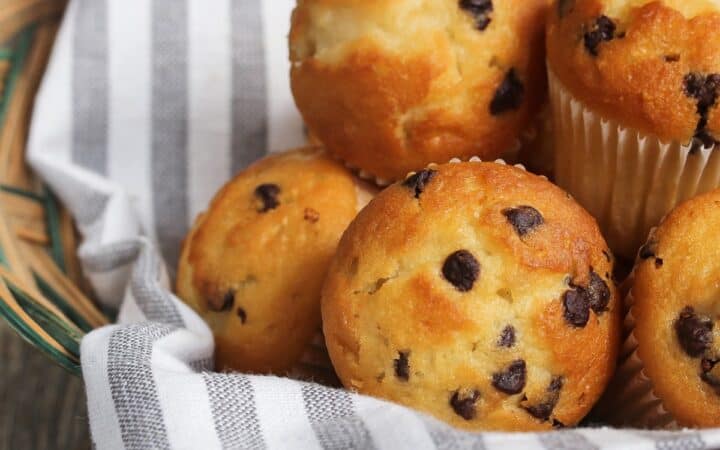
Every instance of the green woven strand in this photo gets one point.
(62, 304)
(28, 334)
(52, 214)
(3, 259)
(22, 193)
(18, 59)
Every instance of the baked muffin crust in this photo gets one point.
(478, 293)
(253, 264)
(391, 86)
(675, 306)
(650, 65)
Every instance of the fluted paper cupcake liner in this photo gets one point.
(510, 154)
(631, 398)
(626, 179)
(500, 161)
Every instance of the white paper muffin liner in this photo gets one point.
(477, 159)
(625, 179)
(510, 154)
(632, 400)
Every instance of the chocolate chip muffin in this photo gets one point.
(476, 292)
(674, 307)
(634, 89)
(391, 86)
(253, 264)
(650, 65)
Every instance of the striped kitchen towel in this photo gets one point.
(146, 109)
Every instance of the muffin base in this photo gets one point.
(315, 365)
(630, 398)
(626, 179)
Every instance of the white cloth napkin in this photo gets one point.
(146, 109)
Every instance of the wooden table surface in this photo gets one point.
(41, 405)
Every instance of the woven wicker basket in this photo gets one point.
(42, 292)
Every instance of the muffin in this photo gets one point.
(672, 376)
(253, 264)
(634, 88)
(391, 86)
(478, 293)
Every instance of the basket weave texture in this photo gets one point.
(42, 291)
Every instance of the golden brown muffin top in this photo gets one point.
(391, 86)
(254, 263)
(476, 292)
(675, 304)
(650, 65)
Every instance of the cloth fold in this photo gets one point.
(146, 109)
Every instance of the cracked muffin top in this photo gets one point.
(476, 292)
(393, 85)
(675, 305)
(651, 65)
(253, 264)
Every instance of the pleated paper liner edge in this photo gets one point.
(626, 179)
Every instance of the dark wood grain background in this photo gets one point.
(41, 405)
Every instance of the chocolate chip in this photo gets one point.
(512, 379)
(402, 366)
(507, 337)
(704, 89)
(267, 193)
(461, 269)
(558, 425)
(671, 58)
(480, 10)
(577, 307)
(564, 7)
(607, 254)
(311, 215)
(222, 304)
(556, 384)
(710, 374)
(598, 293)
(693, 332)
(509, 95)
(702, 137)
(465, 407)
(579, 300)
(648, 249)
(545, 408)
(523, 218)
(603, 30)
(418, 181)
(242, 315)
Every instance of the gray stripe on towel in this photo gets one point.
(447, 438)
(332, 416)
(132, 385)
(232, 402)
(249, 93)
(90, 86)
(169, 124)
(152, 298)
